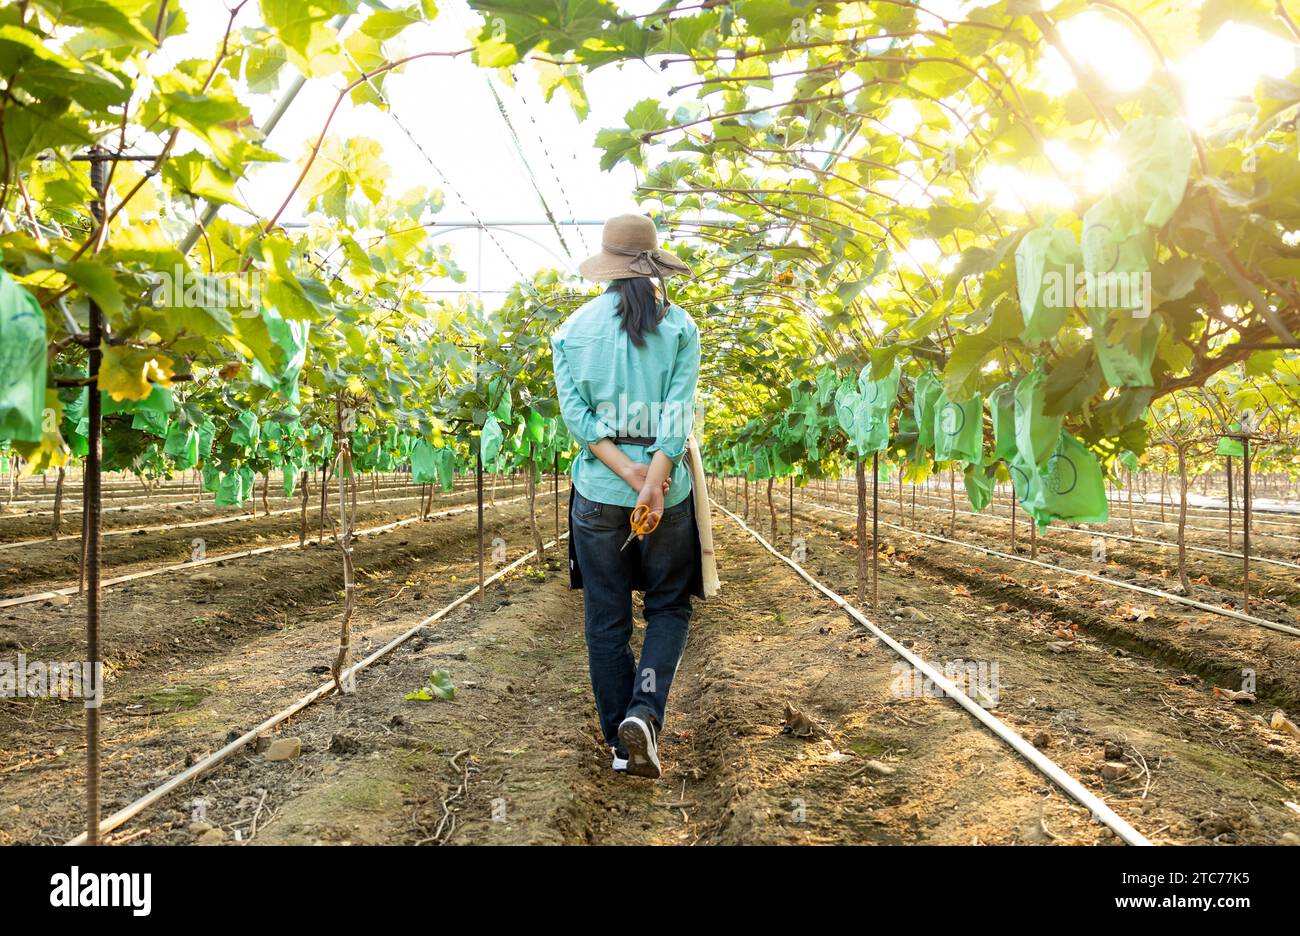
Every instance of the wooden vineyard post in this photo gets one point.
(478, 485)
(92, 510)
(791, 483)
(1033, 539)
(555, 491)
(1245, 523)
(1182, 520)
(875, 533)
(860, 476)
(345, 475)
(302, 525)
(324, 497)
(771, 505)
(530, 488)
(58, 503)
(952, 498)
(1228, 459)
(1013, 517)
(1132, 529)
(85, 539)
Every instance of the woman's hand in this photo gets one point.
(637, 474)
(634, 473)
(651, 495)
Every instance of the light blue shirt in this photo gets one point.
(608, 387)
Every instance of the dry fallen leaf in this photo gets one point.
(1279, 722)
(1137, 614)
(801, 725)
(1230, 696)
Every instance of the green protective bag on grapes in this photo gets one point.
(879, 395)
(979, 486)
(22, 363)
(211, 478)
(1025, 481)
(926, 395)
(826, 385)
(230, 492)
(1116, 251)
(1036, 433)
(1230, 447)
(1157, 153)
(490, 441)
(876, 403)
(1047, 262)
(847, 400)
(245, 431)
(290, 336)
(424, 469)
(958, 429)
(1002, 407)
(207, 432)
(1071, 486)
(73, 413)
(445, 460)
(535, 427)
(289, 478)
(150, 421)
(182, 444)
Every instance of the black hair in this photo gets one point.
(638, 306)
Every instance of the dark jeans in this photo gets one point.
(665, 562)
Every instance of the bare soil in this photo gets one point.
(516, 756)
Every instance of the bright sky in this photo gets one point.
(449, 110)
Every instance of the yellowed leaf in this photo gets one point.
(128, 373)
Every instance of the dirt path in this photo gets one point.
(515, 758)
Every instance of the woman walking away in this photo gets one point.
(626, 368)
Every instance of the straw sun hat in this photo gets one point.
(629, 248)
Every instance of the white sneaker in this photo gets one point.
(638, 739)
(620, 763)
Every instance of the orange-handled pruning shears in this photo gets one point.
(643, 521)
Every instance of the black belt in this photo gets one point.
(633, 440)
